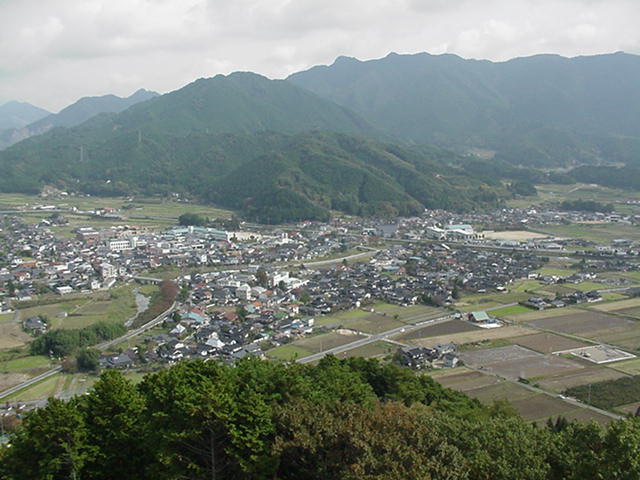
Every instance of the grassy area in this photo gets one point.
(288, 352)
(513, 310)
(600, 233)
(42, 389)
(24, 363)
(6, 317)
(117, 305)
(371, 350)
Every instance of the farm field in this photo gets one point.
(512, 310)
(308, 345)
(547, 342)
(589, 374)
(24, 363)
(12, 335)
(630, 367)
(531, 405)
(515, 362)
(598, 232)
(440, 329)
(597, 326)
(478, 335)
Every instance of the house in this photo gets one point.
(416, 357)
(34, 325)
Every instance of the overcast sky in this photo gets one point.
(53, 52)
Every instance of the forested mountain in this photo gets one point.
(349, 419)
(544, 110)
(18, 114)
(74, 114)
(265, 147)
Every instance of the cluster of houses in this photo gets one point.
(417, 358)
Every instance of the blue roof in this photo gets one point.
(194, 316)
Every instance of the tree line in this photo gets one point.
(351, 419)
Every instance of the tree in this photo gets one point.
(88, 359)
(50, 444)
(117, 429)
(262, 277)
(192, 219)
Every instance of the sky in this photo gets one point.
(53, 52)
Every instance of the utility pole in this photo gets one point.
(139, 137)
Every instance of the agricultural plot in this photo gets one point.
(589, 374)
(8, 380)
(609, 394)
(548, 313)
(616, 306)
(509, 311)
(547, 342)
(594, 232)
(373, 323)
(631, 367)
(541, 406)
(469, 380)
(12, 335)
(440, 329)
(24, 363)
(288, 352)
(502, 390)
(304, 347)
(478, 335)
(515, 362)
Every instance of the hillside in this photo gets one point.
(264, 147)
(544, 110)
(270, 177)
(18, 114)
(73, 115)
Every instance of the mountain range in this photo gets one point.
(73, 115)
(389, 136)
(544, 110)
(18, 114)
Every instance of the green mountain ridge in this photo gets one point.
(543, 110)
(264, 147)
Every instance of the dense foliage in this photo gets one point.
(349, 419)
(586, 206)
(160, 302)
(60, 343)
(609, 393)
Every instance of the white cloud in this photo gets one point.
(53, 52)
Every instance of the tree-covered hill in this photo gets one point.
(168, 144)
(349, 419)
(544, 110)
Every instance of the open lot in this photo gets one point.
(547, 342)
(514, 235)
(514, 361)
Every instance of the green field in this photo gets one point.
(24, 363)
(117, 305)
(288, 352)
(600, 233)
(513, 310)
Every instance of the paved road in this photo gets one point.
(374, 338)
